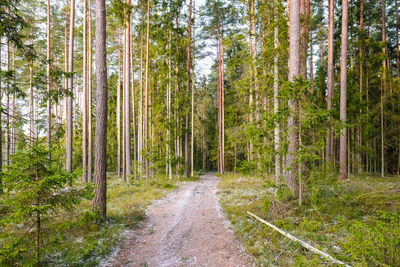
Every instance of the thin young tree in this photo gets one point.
(294, 71)
(100, 162)
(343, 91)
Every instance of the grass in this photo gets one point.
(356, 221)
(80, 239)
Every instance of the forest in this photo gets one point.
(282, 112)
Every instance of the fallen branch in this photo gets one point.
(304, 244)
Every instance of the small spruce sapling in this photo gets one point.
(35, 192)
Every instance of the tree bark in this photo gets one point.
(343, 92)
(48, 82)
(276, 95)
(359, 135)
(99, 201)
(85, 96)
(331, 81)
(127, 119)
(119, 107)
(383, 90)
(90, 135)
(146, 96)
(70, 89)
(294, 71)
(188, 68)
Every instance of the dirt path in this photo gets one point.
(186, 228)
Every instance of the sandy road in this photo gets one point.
(186, 228)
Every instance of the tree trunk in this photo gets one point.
(343, 92)
(1, 107)
(65, 59)
(90, 135)
(146, 96)
(188, 68)
(7, 134)
(85, 95)
(359, 134)
(48, 82)
(294, 71)
(127, 120)
(383, 90)
(119, 107)
(133, 108)
(70, 89)
(99, 201)
(331, 81)
(276, 95)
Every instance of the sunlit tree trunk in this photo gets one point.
(276, 94)
(7, 108)
(329, 140)
(100, 165)
(127, 121)
(70, 89)
(119, 107)
(343, 92)
(133, 107)
(85, 95)
(294, 71)
(146, 96)
(90, 135)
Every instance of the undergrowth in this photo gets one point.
(79, 238)
(356, 221)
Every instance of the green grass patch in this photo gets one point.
(356, 221)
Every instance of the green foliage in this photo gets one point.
(375, 240)
(35, 193)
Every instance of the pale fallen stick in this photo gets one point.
(304, 244)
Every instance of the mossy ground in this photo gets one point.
(356, 221)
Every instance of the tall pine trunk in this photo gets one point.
(90, 135)
(383, 89)
(146, 97)
(85, 96)
(70, 89)
(48, 82)
(343, 92)
(100, 161)
(330, 85)
(294, 71)
(188, 68)
(276, 94)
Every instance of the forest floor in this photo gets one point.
(185, 228)
(356, 221)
